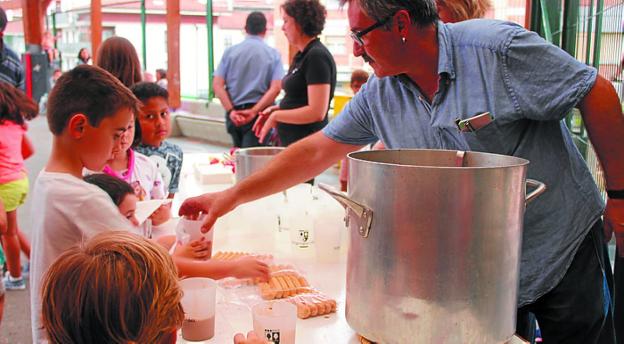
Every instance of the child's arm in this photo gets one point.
(27, 147)
(3, 218)
(247, 267)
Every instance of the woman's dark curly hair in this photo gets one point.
(15, 106)
(308, 14)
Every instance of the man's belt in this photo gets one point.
(244, 106)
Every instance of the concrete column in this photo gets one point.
(173, 53)
(96, 27)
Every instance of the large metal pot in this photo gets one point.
(435, 243)
(250, 160)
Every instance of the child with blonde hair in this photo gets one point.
(15, 109)
(453, 11)
(116, 288)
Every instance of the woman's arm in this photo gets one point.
(315, 111)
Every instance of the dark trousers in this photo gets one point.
(577, 309)
(619, 298)
(243, 136)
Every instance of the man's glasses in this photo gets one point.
(357, 35)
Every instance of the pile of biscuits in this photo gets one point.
(312, 304)
(288, 284)
(236, 255)
(284, 282)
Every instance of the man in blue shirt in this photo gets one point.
(247, 81)
(11, 70)
(428, 75)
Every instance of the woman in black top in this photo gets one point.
(311, 79)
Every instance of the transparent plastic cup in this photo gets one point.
(190, 230)
(275, 321)
(198, 303)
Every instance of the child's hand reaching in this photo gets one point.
(202, 248)
(250, 267)
(199, 249)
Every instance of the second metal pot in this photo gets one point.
(250, 160)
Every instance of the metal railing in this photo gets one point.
(593, 32)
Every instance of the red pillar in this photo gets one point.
(527, 14)
(96, 27)
(173, 53)
(33, 12)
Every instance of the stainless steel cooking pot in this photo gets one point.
(250, 160)
(434, 244)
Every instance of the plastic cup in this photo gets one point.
(198, 303)
(275, 321)
(190, 230)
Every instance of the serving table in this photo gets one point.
(253, 228)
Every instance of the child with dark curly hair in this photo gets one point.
(15, 109)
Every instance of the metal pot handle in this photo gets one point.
(364, 214)
(539, 189)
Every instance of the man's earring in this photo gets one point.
(403, 39)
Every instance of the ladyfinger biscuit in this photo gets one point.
(267, 293)
(275, 287)
(329, 301)
(226, 255)
(217, 255)
(308, 308)
(283, 286)
(305, 290)
(303, 312)
(314, 307)
(292, 279)
(303, 281)
(324, 307)
(292, 290)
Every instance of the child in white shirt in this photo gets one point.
(88, 112)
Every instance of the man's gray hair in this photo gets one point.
(422, 12)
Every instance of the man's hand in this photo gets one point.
(214, 205)
(237, 118)
(252, 338)
(250, 267)
(247, 115)
(614, 223)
